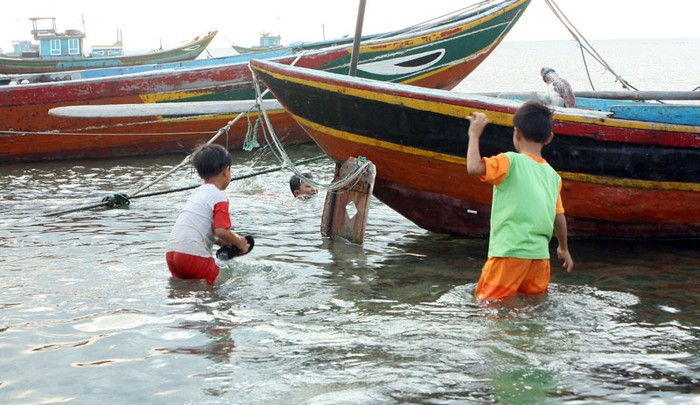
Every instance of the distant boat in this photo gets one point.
(630, 169)
(267, 42)
(62, 51)
(440, 54)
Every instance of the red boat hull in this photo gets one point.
(441, 197)
(621, 178)
(437, 56)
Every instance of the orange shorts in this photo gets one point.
(505, 276)
(186, 266)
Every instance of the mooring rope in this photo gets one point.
(106, 134)
(123, 200)
(279, 152)
(223, 130)
(250, 143)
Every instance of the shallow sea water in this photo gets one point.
(89, 314)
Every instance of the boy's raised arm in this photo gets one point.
(477, 122)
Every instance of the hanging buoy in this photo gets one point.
(345, 210)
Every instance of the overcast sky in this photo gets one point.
(145, 24)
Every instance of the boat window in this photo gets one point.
(55, 47)
(73, 46)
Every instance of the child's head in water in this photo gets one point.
(301, 188)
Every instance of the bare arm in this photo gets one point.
(477, 122)
(562, 236)
(232, 238)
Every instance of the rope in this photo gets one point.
(251, 137)
(101, 134)
(123, 200)
(118, 200)
(282, 156)
(224, 130)
(221, 131)
(585, 46)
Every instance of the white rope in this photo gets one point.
(104, 134)
(225, 129)
(186, 160)
(283, 157)
(585, 45)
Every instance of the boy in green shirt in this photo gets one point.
(526, 206)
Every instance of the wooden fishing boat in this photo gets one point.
(62, 51)
(267, 43)
(623, 177)
(258, 53)
(130, 70)
(248, 49)
(437, 54)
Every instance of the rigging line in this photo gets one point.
(101, 134)
(186, 160)
(585, 65)
(583, 42)
(241, 177)
(221, 131)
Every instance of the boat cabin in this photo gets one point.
(109, 50)
(53, 44)
(23, 47)
(269, 41)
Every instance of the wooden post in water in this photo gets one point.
(345, 211)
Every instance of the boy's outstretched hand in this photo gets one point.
(477, 123)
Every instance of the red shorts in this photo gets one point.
(505, 276)
(186, 266)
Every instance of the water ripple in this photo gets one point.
(305, 319)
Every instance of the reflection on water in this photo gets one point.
(303, 319)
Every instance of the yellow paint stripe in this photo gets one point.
(195, 118)
(173, 96)
(347, 136)
(579, 177)
(383, 47)
(630, 183)
(421, 105)
(497, 118)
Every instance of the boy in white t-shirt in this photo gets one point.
(205, 220)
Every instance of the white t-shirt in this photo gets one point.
(193, 232)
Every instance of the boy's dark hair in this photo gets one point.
(210, 160)
(295, 181)
(534, 120)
